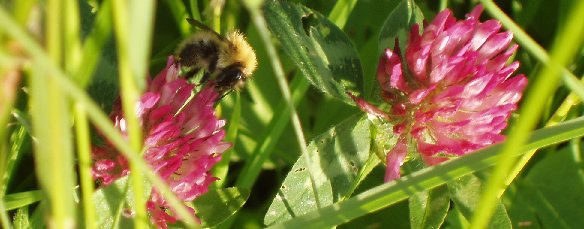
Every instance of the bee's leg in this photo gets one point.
(205, 78)
(223, 94)
(191, 73)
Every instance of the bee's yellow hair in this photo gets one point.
(240, 52)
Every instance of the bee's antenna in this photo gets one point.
(202, 26)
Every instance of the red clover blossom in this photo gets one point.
(183, 140)
(453, 93)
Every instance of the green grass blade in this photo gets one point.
(37, 219)
(73, 58)
(571, 100)
(4, 219)
(84, 157)
(130, 95)
(341, 11)
(94, 43)
(254, 8)
(195, 9)
(9, 154)
(179, 12)
(544, 85)
(72, 36)
(53, 148)
(21, 199)
(275, 128)
(49, 110)
(21, 219)
(428, 178)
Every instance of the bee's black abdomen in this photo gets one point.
(187, 55)
(200, 54)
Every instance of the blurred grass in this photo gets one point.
(66, 86)
(132, 42)
(50, 114)
(264, 137)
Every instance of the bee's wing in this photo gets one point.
(202, 26)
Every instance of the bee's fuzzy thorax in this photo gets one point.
(241, 52)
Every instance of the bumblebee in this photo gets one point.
(226, 61)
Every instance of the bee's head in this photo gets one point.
(230, 78)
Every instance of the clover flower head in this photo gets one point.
(453, 92)
(183, 140)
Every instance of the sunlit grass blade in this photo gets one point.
(571, 100)
(341, 11)
(72, 36)
(50, 113)
(133, 26)
(10, 156)
(4, 219)
(276, 127)
(22, 11)
(37, 218)
(73, 57)
(574, 84)
(84, 158)
(21, 199)
(21, 218)
(19, 140)
(130, 92)
(389, 193)
(195, 9)
(179, 12)
(560, 115)
(543, 85)
(94, 43)
(254, 7)
(53, 148)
